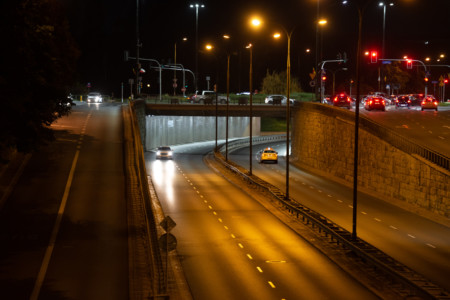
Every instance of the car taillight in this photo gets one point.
(335, 99)
(409, 101)
(396, 100)
(435, 103)
(423, 102)
(382, 101)
(348, 99)
(370, 102)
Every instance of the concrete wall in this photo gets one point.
(323, 141)
(175, 130)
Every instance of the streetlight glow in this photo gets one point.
(255, 22)
(277, 35)
(323, 22)
(209, 47)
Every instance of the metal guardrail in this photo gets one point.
(413, 283)
(384, 133)
(157, 262)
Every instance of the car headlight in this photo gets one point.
(158, 152)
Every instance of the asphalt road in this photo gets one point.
(417, 242)
(231, 247)
(428, 128)
(63, 228)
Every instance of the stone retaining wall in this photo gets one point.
(323, 140)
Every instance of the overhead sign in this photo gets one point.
(386, 62)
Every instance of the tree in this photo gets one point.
(275, 83)
(38, 58)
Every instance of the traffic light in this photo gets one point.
(373, 57)
(324, 77)
(409, 64)
(426, 78)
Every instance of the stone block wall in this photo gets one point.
(323, 140)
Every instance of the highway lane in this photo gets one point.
(417, 242)
(231, 247)
(81, 176)
(429, 128)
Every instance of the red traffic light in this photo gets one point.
(409, 64)
(324, 78)
(373, 57)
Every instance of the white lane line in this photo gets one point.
(431, 246)
(411, 236)
(441, 137)
(48, 252)
(376, 219)
(364, 213)
(393, 227)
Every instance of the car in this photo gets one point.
(429, 102)
(94, 97)
(277, 100)
(164, 152)
(268, 155)
(375, 102)
(402, 101)
(342, 100)
(274, 99)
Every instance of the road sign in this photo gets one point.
(174, 85)
(312, 83)
(386, 62)
(167, 242)
(168, 224)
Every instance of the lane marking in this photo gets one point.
(431, 246)
(376, 219)
(271, 284)
(411, 236)
(259, 269)
(393, 227)
(249, 256)
(48, 252)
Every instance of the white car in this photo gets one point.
(95, 97)
(164, 152)
(277, 99)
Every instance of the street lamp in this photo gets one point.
(196, 6)
(288, 91)
(184, 39)
(250, 48)
(384, 27)
(210, 47)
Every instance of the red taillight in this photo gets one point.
(348, 99)
(423, 102)
(335, 99)
(409, 101)
(370, 102)
(435, 103)
(382, 101)
(396, 100)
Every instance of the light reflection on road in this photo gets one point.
(163, 175)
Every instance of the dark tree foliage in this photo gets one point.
(37, 64)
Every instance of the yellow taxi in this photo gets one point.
(268, 155)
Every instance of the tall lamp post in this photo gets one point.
(196, 6)
(250, 48)
(257, 23)
(384, 27)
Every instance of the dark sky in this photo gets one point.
(105, 28)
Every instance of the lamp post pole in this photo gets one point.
(228, 97)
(250, 47)
(196, 6)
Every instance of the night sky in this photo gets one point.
(105, 29)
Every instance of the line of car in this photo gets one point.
(378, 101)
